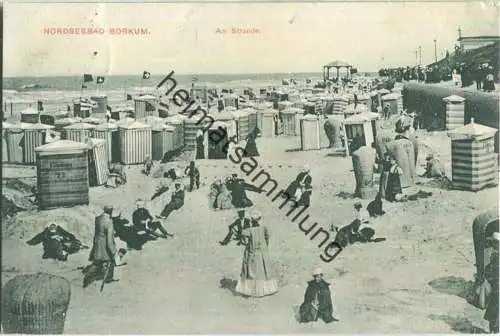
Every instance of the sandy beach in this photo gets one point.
(412, 282)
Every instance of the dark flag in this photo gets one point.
(87, 78)
(39, 105)
(84, 86)
(100, 80)
(129, 97)
(146, 75)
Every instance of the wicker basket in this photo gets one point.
(363, 161)
(35, 304)
(402, 150)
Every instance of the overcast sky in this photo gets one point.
(294, 37)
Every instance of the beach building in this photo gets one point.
(30, 115)
(229, 121)
(455, 111)
(109, 133)
(14, 138)
(135, 142)
(98, 162)
(15, 106)
(242, 125)
(474, 163)
(268, 122)
(359, 126)
(62, 174)
(79, 132)
(145, 106)
(34, 136)
(101, 100)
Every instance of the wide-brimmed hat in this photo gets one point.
(317, 271)
(358, 205)
(139, 203)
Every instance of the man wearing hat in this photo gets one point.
(145, 224)
(317, 300)
(491, 275)
(302, 183)
(102, 254)
(236, 228)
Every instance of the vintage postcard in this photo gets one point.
(239, 167)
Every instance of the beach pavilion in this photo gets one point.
(336, 65)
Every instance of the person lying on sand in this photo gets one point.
(57, 243)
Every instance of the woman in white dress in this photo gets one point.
(255, 279)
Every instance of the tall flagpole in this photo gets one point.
(81, 87)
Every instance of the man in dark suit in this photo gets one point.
(176, 202)
(236, 228)
(297, 187)
(145, 224)
(103, 250)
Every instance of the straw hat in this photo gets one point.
(305, 169)
(139, 203)
(358, 205)
(317, 271)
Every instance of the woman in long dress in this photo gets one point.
(200, 146)
(251, 145)
(255, 279)
(224, 199)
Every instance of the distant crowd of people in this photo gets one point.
(483, 75)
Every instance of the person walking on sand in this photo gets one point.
(251, 146)
(194, 176)
(317, 300)
(255, 280)
(102, 254)
(394, 191)
(200, 145)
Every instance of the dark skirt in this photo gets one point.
(251, 148)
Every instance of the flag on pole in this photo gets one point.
(87, 78)
(129, 97)
(100, 80)
(146, 75)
